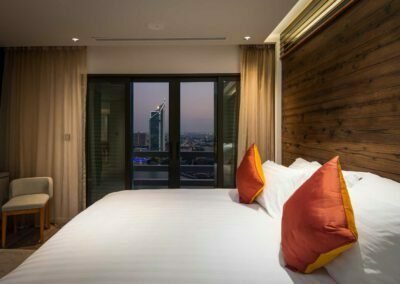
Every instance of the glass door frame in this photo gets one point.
(220, 129)
(204, 79)
(174, 81)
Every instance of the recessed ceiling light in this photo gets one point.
(75, 39)
(247, 37)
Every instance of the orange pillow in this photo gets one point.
(318, 220)
(250, 176)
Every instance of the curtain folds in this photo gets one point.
(257, 105)
(43, 115)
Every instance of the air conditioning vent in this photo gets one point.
(160, 39)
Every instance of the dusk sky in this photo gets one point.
(197, 105)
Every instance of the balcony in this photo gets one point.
(197, 168)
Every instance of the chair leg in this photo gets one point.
(41, 224)
(3, 230)
(36, 218)
(48, 215)
(22, 221)
(15, 223)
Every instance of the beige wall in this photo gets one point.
(157, 59)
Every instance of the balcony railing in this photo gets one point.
(197, 168)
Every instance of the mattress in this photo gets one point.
(164, 236)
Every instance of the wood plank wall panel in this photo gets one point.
(2, 55)
(341, 92)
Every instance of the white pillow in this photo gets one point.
(351, 178)
(280, 183)
(301, 164)
(375, 257)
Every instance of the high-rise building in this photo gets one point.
(156, 126)
(139, 139)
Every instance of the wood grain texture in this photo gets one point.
(341, 92)
(1, 69)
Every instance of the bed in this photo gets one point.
(164, 236)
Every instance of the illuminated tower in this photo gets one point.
(156, 125)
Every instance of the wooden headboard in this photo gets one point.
(341, 92)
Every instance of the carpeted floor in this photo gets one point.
(20, 246)
(11, 258)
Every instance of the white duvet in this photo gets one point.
(164, 236)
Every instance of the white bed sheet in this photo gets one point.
(164, 236)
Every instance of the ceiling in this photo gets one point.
(56, 22)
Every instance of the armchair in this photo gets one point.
(27, 196)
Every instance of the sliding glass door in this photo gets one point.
(150, 134)
(105, 138)
(183, 154)
(160, 132)
(198, 152)
(228, 115)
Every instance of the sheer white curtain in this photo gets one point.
(257, 102)
(42, 121)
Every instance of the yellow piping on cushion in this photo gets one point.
(257, 194)
(260, 172)
(348, 209)
(327, 257)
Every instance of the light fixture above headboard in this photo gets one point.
(316, 15)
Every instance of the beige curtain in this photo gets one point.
(256, 114)
(42, 119)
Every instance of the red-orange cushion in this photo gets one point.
(318, 220)
(250, 176)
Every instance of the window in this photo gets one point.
(150, 143)
(161, 132)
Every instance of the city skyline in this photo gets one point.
(157, 140)
(197, 106)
